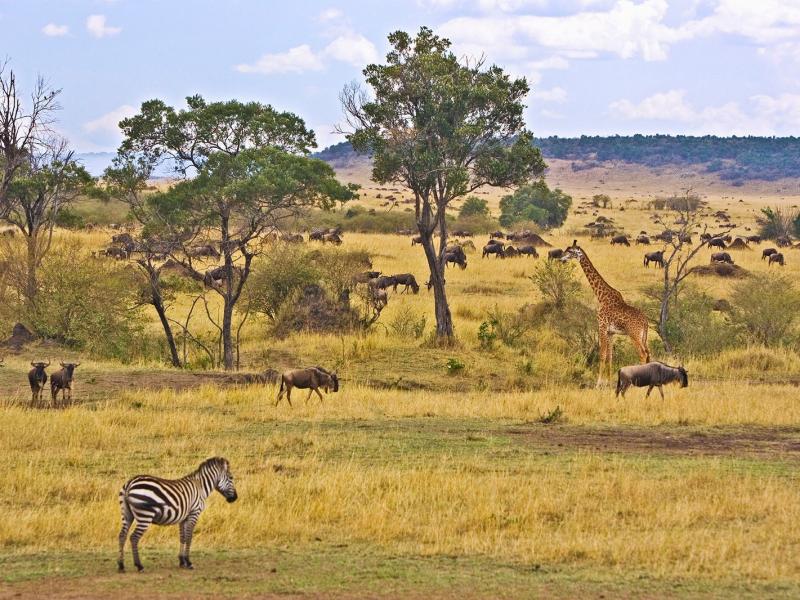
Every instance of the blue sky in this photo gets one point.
(596, 66)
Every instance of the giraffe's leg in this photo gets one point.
(141, 527)
(640, 342)
(610, 357)
(603, 354)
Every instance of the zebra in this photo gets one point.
(179, 502)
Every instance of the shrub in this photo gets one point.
(407, 323)
(474, 207)
(337, 267)
(86, 304)
(486, 335)
(765, 307)
(475, 224)
(556, 282)
(508, 327)
(454, 365)
(360, 219)
(277, 278)
(535, 202)
(778, 222)
(599, 200)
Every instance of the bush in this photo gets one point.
(599, 200)
(778, 222)
(474, 207)
(535, 202)
(475, 224)
(407, 324)
(360, 219)
(765, 307)
(69, 219)
(278, 277)
(86, 304)
(556, 282)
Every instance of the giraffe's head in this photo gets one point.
(573, 252)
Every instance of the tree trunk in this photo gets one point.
(444, 320)
(30, 275)
(162, 315)
(663, 314)
(227, 338)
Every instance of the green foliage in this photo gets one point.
(359, 219)
(553, 416)
(338, 267)
(508, 327)
(454, 365)
(535, 202)
(70, 219)
(766, 307)
(474, 207)
(86, 304)
(599, 200)
(486, 335)
(277, 278)
(555, 280)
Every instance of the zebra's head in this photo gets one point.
(220, 471)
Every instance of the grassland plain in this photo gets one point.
(416, 482)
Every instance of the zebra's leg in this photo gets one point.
(182, 555)
(189, 524)
(141, 527)
(127, 519)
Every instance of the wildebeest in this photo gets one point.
(528, 251)
(310, 379)
(510, 252)
(722, 257)
(61, 381)
(652, 374)
(332, 238)
(383, 282)
(495, 242)
(206, 250)
(767, 252)
(292, 238)
(456, 258)
(379, 298)
(555, 254)
(417, 239)
(406, 279)
(316, 234)
(495, 249)
(643, 239)
(756, 239)
(784, 241)
(366, 276)
(115, 252)
(654, 257)
(776, 258)
(717, 243)
(37, 378)
(497, 234)
(620, 239)
(461, 233)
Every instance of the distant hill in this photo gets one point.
(733, 159)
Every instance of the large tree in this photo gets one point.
(244, 167)
(443, 128)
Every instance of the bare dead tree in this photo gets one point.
(680, 251)
(25, 127)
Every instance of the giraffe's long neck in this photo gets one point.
(599, 285)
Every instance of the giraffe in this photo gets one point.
(614, 315)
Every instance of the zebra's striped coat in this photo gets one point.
(147, 499)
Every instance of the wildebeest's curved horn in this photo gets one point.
(33, 364)
(61, 363)
(77, 365)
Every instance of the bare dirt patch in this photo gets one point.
(753, 442)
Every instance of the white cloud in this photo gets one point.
(762, 115)
(295, 60)
(556, 94)
(551, 114)
(96, 25)
(509, 5)
(53, 30)
(109, 122)
(352, 48)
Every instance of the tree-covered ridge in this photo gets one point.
(735, 159)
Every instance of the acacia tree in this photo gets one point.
(244, 167)
(680, 251)
(25, 127)
(443, 128)
(48, 181)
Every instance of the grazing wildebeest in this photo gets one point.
(784, 241)
(456, 258)
(495, 249)
(497, 234)
(654, 257)
(417, 239)
(756, 239)
(717, 243)
(406, 279)
(767, 252)
(310, 379)
(147, 500)
(652, 374)
(776, 258)
(528, 251)
(383, 282)
(316, 234)
(292, 238)
(494, 242)
(37, 378)
(61, 381)
(332, 238)
(620, 239)
(555, 254)
(685, 238)
(721, 257)
(511, 252)
(115, 252)
(643, 239)
(461, 233)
